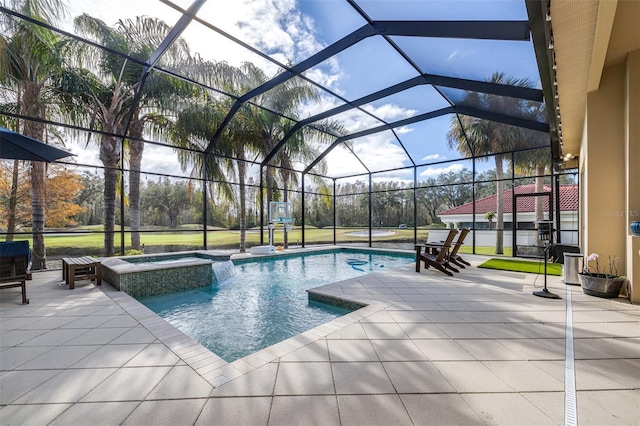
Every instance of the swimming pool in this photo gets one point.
(266, 302)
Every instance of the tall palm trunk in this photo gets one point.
(539, 204)
(269, 180)
(242, 171)
(33, 108)
(110, 157)
(136, 148)
(285, 198)
(13, 202)
(499, 205)
(38, 206)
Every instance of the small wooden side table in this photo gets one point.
(81, 268)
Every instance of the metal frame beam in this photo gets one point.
(486, 30)
(410, 120)
(337, 47)
(499, 30)
(503, 118)
(436, 80)
(486, 115)
(541, 34)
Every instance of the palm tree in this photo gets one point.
(253, 130)
(105, 95)
(192, 128)
(535, 160)
(196, 124)
(475, 137)
(28, 59)
(490, 215)
(299, 149)
(103, 102)
(285, 99)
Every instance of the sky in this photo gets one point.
(291, 30)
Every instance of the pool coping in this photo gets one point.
(217, 371)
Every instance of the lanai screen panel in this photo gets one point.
(366, 67)
(484, 137)
(444, 10)
(279, 37)
(381, 151)
(445, 173)
(341, 162)
(381, 104)
(407, 103)
(534, 162)
(469, 59)
(288, 32)
(128, 21)
(222, 63)
(528, 109)
(427, 141)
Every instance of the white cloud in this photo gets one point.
(390, 112)
(275, 26)
(433, 157)
(435, 171)
(85, 154)
(403, 130)
(404, 176)
(455, 54)
(329, 80)
(341, 162)
(379, 152)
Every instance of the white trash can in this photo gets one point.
(572, 267)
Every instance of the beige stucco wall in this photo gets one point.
(632, 169)
(610, 168)
(604, 166)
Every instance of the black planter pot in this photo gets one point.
(601, 285)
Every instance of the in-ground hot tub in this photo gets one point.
(151, 275)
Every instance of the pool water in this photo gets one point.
(265, 302)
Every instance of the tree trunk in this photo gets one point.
(32, 108)
(499, 206)
(539, 204)
(110, 157)
(13, 202)
(38, 206)
(136, 149)
(285, 198)
(243, 201)
(269, 178)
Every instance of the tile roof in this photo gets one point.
(568, 201)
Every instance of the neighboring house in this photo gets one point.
(462, 216)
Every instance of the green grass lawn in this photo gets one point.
(517, 265)
(91, 241)
(485, 250)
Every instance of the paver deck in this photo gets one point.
(476, 348)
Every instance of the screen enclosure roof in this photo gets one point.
(388, 79)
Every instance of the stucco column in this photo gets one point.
(632, 169)
(603, 170)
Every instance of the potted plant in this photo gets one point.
(600, 283)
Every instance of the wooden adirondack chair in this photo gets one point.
(453, 255)
(436, 255)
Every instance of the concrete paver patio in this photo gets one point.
(477, 348)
